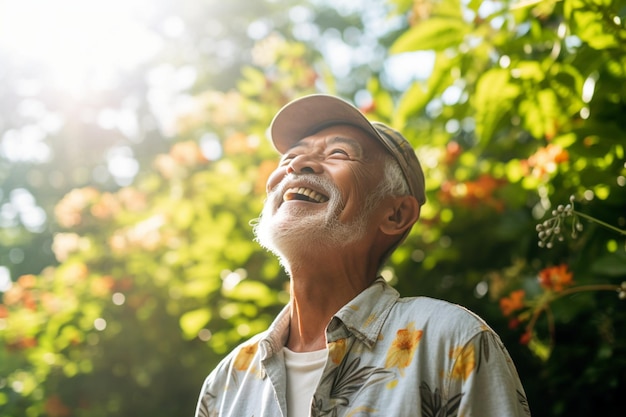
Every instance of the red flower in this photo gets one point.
(512, 303)
(525, 338)
(513, 323)
(555, 278)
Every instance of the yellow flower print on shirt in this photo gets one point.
(244, 357)
(402, 349)
(337, 350)
(465, 361)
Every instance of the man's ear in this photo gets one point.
(401, 213)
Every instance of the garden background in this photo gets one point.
(133, 156)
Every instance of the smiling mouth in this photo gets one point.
(304, 194)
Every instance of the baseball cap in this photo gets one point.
(306, 115)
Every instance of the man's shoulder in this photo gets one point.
(240, 358)
(435, 312)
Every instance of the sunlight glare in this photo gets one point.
(78, 43)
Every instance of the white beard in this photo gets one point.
(291, 232)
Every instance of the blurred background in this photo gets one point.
(133, 156)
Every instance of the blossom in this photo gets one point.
(187, 153)
(64, 244)
(166, 165)
(74, 273)
(69, 210)
(473, 193)
(267, 51)
(106, 207)
(102, 286)
(237, 143)
(132, 199)
(27, 281)
(4, 311)
(545, 160)
(512, 303)
(400, 354)
(525, 338)
(555, 278)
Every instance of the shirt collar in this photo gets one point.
(363, 316)
(366, 314)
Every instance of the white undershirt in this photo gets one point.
(304, 370)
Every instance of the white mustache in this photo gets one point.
(275, 195)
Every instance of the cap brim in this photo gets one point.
(307, 115)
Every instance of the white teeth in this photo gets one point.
(312, 194)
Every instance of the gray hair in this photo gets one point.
(392, 184)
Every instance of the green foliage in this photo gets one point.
(529, 125)
(157, 280)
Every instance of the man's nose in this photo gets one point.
(304, 164)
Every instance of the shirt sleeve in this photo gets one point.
(486, 377)
(202, 407)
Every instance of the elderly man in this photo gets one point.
(344, 195)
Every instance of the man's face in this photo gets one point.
(318, 193)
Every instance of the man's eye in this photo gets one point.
(339, 152)
(287, 158)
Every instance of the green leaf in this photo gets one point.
(256, 291)
(253, 81)
(193, 321)
(592, 22)
(493, 99)
(613, 265)
(412, 102)
(539, 348)
(437, 33)
(540, 113)
(183, 214)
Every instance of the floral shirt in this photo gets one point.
(387, 356)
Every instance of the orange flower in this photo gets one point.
(473, 193)
(555, 278)
(244, 357)
(237, 143)
(187, 153)
(166, 165)
(453, 151)
(545, 160)
(75, 272)
(465, 361)
(514, 302)
(13, 295)
(101, 286)
(401, 352)
(27, 281)
(64, 244)
(132, 199)
(4, 311)
(106, 207)
(69, 210)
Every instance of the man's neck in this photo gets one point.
(317, 295)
